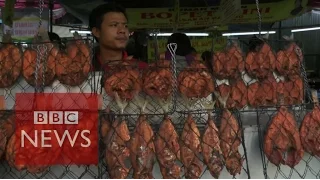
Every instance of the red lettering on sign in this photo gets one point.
(194, 14)
(161, 15)
(164, 15)
(262, 10)
(147, 16)
(254, 11)
(245, 11)
(209, 13)
(267, 10)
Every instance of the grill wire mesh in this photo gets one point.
(157, 161)
(125, 85)
(234, 84)
(280, 121)
(43, 67)
(308, 166)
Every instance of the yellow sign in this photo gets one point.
(201, 44)
(230, 9)
(199, 17)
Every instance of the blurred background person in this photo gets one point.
(184, 52)
(207, 58)
(55, 38)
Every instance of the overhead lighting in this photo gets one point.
(247, 33)
(305, 29)
(80, 31)
(188, 34)
(316, 12)
(24, 44)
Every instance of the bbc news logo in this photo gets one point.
(55, 117)
(63, 136)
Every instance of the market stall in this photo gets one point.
(243, 110)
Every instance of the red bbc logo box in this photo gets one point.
(57, 133)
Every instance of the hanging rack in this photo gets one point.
(51, 5)
(39, 48)
(155, 33)
(259, 18)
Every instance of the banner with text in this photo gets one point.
(199, 17)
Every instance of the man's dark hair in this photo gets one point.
(96, 15)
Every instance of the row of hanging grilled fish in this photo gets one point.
(285, 144)
(219, 148)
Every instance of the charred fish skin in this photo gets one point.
(211, 150)
(142, 149)
(282, 136)
(228, 63)
(310, 131)
(190, 149)
(230, 138)
(230, 135)
(168, 150)
(117, 151)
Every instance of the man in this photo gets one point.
(108, 24)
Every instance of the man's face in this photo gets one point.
(114, 33)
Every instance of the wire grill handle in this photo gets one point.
(172, 47)
(259, 17)
(39, 52)
(156, 45)
(306, 88)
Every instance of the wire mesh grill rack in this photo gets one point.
(108, 127)
(45, 67)
(272, 71)
(254, 72)
(54, 172)
(140, 91)
(274, 132)
(159, 166)
(51, 68)
(195, 85)
(127, 85)
(275, 72)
